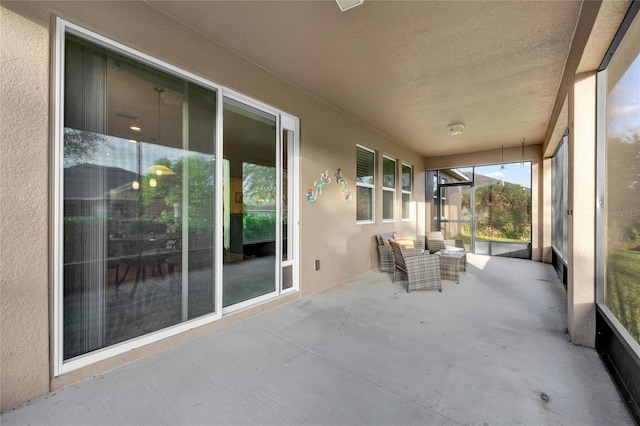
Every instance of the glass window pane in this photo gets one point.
(622, 183)
(286, 240)
(560, 196)
(388, 173)
(407, 178)
(365, 203)
(138, 199)
(406, 206)
(503, 209)
(365, 169)
(388, 201)
(250, 212)
(287, 277)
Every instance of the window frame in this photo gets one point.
(372, 187)
(389, 189)
(409, 215)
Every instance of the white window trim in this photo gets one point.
(410, 193)
(60, 366)
(390, 189)
(367, 185)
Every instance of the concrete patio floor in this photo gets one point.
(492, 350)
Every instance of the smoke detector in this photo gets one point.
(348, 4)
(455, 129)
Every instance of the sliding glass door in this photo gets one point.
(176, 200)
(258, 222)
(138, 199)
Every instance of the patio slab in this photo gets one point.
(492, 350)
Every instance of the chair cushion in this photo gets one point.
(404, 240)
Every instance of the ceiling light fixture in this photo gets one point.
(455, 128)
(348, 4)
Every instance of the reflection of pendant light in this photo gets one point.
(153, 182)
(135, 184)
(161, 170)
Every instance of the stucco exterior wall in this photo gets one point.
(328, 229)
(24, 302)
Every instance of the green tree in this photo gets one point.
(503, 211)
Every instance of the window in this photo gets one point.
(388, 189)
(559, 197)
(365, 184)
(622, 183)
(502, 196)
(443, 199)
(407, 186)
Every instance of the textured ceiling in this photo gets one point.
(408, 69)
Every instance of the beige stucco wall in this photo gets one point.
(24, 321)
(328, 229)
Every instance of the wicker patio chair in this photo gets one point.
(422, 271)
(385, 252)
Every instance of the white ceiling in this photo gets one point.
(409, 68)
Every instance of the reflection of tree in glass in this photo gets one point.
(199, 173)
(80, 145)
(258, 184)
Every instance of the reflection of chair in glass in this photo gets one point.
(155, 252)
(174, 254)
(422, 271)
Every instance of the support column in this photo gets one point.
(581, 236)
(545, 213)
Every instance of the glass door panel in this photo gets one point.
(287, 212)
(250, 203)
(455, 213)
(451, 191)
(138, 199)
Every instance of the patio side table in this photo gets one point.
(451, 263)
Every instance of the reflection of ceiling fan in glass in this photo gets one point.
(348, 4)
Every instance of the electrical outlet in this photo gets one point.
(317, 264)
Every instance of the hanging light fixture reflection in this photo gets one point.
(135, 184)
(153, 182)
(161, 170)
